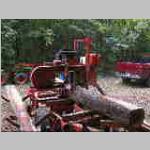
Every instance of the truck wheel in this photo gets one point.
(148, 82)
(125, 80)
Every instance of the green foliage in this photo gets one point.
(8, 38)
(33, 40)
(42, 35)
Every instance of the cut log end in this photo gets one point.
(137, 116)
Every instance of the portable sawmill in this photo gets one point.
(65, 96)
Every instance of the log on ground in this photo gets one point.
(119, 110)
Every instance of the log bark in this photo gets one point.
(119, 110)
(19, 108)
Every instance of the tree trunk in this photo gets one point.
(119, 110)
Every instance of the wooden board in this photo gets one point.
(19, 108)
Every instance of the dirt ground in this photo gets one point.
(133, 93)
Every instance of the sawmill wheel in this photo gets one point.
(21, 78)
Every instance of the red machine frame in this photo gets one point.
(66, 114)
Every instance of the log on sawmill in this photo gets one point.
(119, 110)
(19, 108)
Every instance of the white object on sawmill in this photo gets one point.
(82, 60)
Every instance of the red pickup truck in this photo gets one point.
(135, 70)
